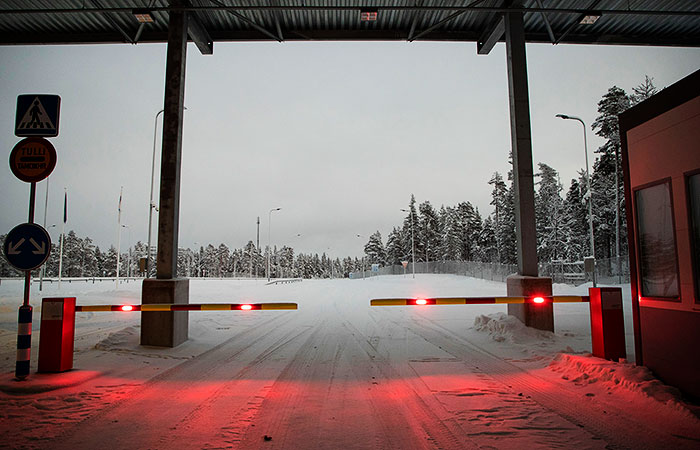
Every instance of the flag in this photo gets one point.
(120, 206)
(65, 207)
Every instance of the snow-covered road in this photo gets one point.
(336, 374)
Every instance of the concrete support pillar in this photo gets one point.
(521, 144)
(527, 282)
(540, 316)
(169, 329)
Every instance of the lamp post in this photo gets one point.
(151, 204)
(363, 260)
(413, 243)
(43, 267)
(269, 245)
(588, 186)
(128, 261)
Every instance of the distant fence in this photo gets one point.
(486, 271)
(608, 271)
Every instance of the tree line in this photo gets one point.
(460, 233)
(448, 233)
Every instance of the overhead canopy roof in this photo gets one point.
(645, 22)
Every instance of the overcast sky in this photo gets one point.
(336, 134)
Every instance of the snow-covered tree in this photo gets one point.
(374, 249)
(429, 225)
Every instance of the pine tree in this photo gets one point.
(576, 221)
(374, 249)
(614, 102)
(410, 233)
(394, 247)
(451, 235)
(643, 91)
(429, 225)
(549, 215)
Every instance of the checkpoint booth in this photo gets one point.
(660, 140)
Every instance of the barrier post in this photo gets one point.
(607, 323)
(57, 334)
(24, 342)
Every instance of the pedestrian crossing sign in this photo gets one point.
(37, 115)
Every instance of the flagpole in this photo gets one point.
(46, 207)
(119, 233)
(63, 230)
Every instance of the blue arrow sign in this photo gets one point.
(27, 246)
(37, 115)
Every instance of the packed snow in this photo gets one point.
(334, 374)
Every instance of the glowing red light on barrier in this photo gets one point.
(246, 307)
(421, 301)
(538, 300)
(127, 308)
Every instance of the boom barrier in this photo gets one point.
(187, 307)
(478, 300)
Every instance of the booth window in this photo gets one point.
(657, 242)
(694, 204)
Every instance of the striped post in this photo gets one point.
(24, 342)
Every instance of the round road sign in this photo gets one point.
(27, 246)
(33, 159)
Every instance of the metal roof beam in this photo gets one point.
(219, 6)
(547, 24)
(490, 36)
(412, 38)
(249, 21)
(112, 22)
(198, 34)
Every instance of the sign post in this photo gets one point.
(28, 245)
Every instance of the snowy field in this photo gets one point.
(335, 374)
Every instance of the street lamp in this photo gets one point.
(269, 245)
(413, 243)
(588, 185)
(128, 262)
(363, 260)
(151, 204)
(43, 267)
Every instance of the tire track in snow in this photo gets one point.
(291, 411)
(417, 406)
(614, 427)
(132, 418)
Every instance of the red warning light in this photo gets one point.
(246, 307)
(538, 300)
(127, 308)
(421, 301)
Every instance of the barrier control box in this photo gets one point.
(57, 334)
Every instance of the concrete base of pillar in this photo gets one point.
(168, 328)
(532, 315)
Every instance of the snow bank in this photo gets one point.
(504, 328)
(623, 375)
(121, 340)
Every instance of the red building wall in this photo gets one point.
(661, 144)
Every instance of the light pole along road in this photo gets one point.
(151, 204)
(413, 243)
(269, 242)
(588, 186)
